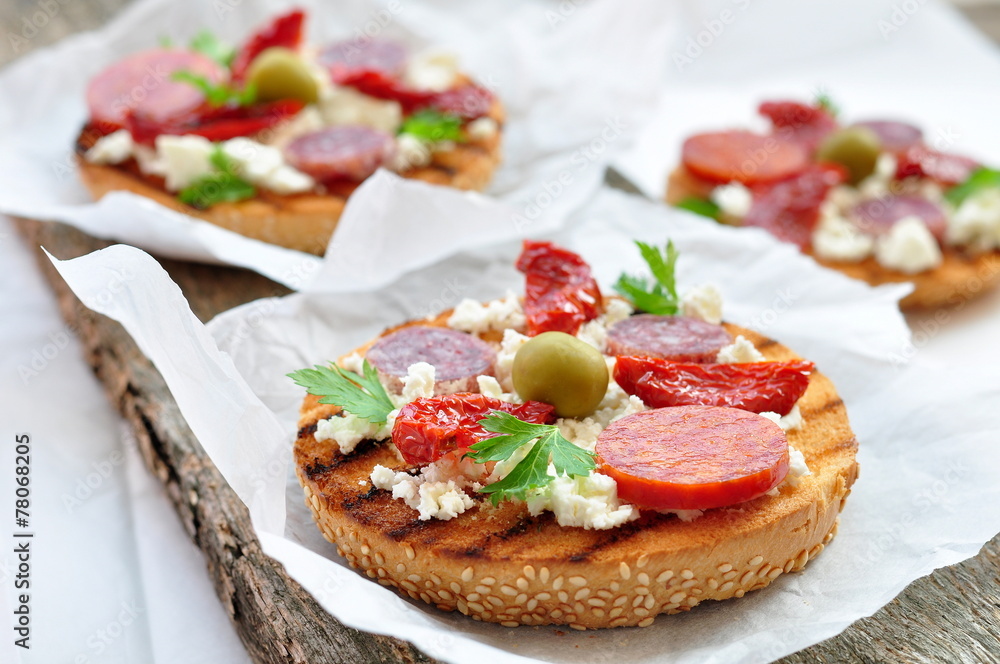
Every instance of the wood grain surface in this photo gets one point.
(953, 615)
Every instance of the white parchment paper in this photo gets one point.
(569, 106)
(928, 458)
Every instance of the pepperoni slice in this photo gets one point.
(878, 215)
(789, 210)
(560, 292)
(922, 161)
(693, 457)
(742, 156)
(141, 83)
(457, 357)
(894, 136)
(676, 338)
(760, 387)
(284, 30)
(348, 151)
(427, 429)
(801, 123)
(363, 54)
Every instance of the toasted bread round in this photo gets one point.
(504, 565)
(959, 278)
(304, 222)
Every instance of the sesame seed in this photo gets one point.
(510, 623)
(467, 575)
(650, 601)
(593, 601)
(455, 587)
(409, 551)
(425, 597)
(614, 586)
(687, 574)
(435, 578)
(556, 614)
(643, 559)
(621, 600)
(677, 597)
(579, 607)
(645, 622)
(532, 604)
(774, 573)
(789, 565)
(571, 617)
(315, 502)
(713, 584)
(614, 613)
(578, 626)
(739, 593)
(563, 596)
(557, 583)
(581, 593)
(463, 608)
(642, 590)
(474, 597)
(353, 536)
(763, 570)
(521, 599)
(494, 600)
(365, 550)
(543, 574)
(815, 551)
(477, 607)
(379, 558)
(598, 612)
(400, 568)
(697, 591)
(725, 567)
(637, 601)
(414, 577)
(522, 583)
(487, 580)
(665, 576)
(543, 597)
(483, 589)
(366, 562)
(408, 585)
(726, 586)
(577, 581)
(756, 560)
(445, 595)
(692, 601)
(746, 578)
(641, 612)
(618, 622)
(624, 571)
(642, 578)
(508, 590)
(802, 558)
(730, 575)
(382, 573)
(370, 573)
(604, 593)
(529, 572)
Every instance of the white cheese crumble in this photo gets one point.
(411, 152)
(616, 310)
(797, 467)
(594, 333)
(438, 491)
(490, 387)
(111, 149)
(434, 70)
(306, 121)
(837, 239)
(734, 199)
(348, 430)
(504, 364)
(474, 317)
(790, 422)
(354, 362)
(482, 129)
(704, 302)
(615, 405)
(877, 184)
(589, 502)
(346, 106)
(265, 166)
(184, 159)
(740, 351)
(908, 247)
(418, 383)
(976, 222)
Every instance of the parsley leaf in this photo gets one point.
(218, 94)
(431, 125)
(208, 44)
(224, 185)
(363, 396)
(981, 178)
(531, 472)
(661, 297)
(700, 206)
(824, 101)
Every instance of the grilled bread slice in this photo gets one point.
(504, 565)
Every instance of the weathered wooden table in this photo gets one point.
(951, 616)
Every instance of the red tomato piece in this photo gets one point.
(742, 156)
(789, 209)
(560, 292)
(427, 429)
(759, 387)
(380, 85)
(921, 161)
(693, 457)
(284, 31)
(141, 83)
(215, 124)
(801, 123)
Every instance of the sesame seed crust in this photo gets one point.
(503, 565)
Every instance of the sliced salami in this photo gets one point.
(466, 101)
(800, 123)
(877, 216)
(345, 152)
(894, 136)
(676, 338)
(142, 83)
(693, 457)
(922, 161)
(789, 210)
(349, 55)
(458, 358)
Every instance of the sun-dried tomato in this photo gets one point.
(560, 292)
(284, 31)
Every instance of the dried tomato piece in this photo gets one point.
(921, 161)
(427, 429)
(560, 292)
(742, 156)
(801, 123)
(693, 457)
(284, 30)
(789, 209)
(215, 124)
(755, 386)
(380, 85)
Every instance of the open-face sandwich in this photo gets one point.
(271, 138)
(871, 199)
(564, 458)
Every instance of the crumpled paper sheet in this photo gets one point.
(928, 458)
(569, 106)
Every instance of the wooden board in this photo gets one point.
(951, 616)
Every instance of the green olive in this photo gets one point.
(561, 370)
(279, 73)
(855, 148)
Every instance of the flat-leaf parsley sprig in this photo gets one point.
(531, 472)
(223, 184)
(661, 296)
(360, 395)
